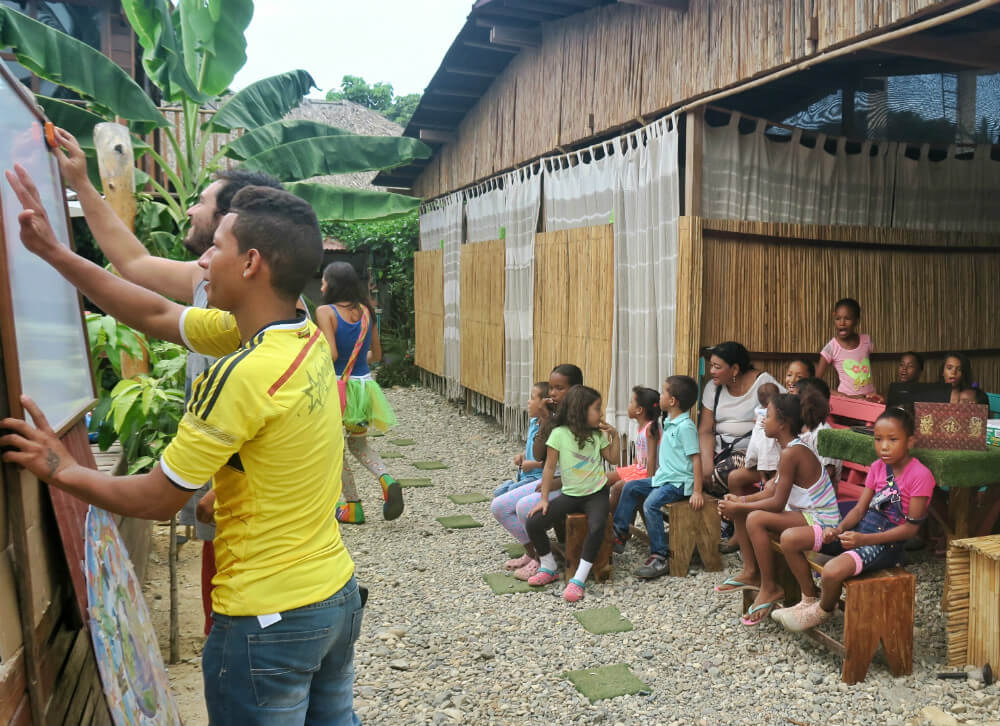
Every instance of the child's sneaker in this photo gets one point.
(542, 577)
(517, 562)
(808, 617)
(655, 566)
(392, 494)
(350, 513)
(526, 572)
(620, 541)
(573, 591)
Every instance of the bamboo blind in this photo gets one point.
(601, 69)
(481, 318)
(428, 304)
(574, 303)
(158, 141)
(972, 601)
(773, 287)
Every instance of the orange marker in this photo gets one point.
(50, 135)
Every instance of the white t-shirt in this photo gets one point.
(763, 452)
(734, 416)
(810, 439)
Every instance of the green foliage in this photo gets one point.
(378, 97)
(397, 368)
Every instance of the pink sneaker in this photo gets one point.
(542, 577)
(806, 618)
(525, 572)
(517, 562)
(573, 591)
(784, 616)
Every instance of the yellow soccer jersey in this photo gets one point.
(264, 421)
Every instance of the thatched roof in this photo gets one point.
(351, 117)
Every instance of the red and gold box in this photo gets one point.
(960, 426)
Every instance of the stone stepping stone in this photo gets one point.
(402, 442)
(472, 498)
(606, 682)
(407, 483)
(514, 549)
(603, 620)
(459, 521)
(429, 465)
(502, 584)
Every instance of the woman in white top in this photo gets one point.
(727, 414)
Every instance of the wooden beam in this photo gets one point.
(975, 50)
(436, 136)
(679, 5)
(468, 71)
(489, 46)
(460, 92)
(520, 37)
(445, 107)
(694, 131)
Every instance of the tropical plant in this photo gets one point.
(191, 53)
(378, 97)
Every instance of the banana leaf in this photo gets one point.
(337, 155)
(156, 27)
(352, 205)
(262, 102)
(214, 42)
(68, 62)
(280, 132)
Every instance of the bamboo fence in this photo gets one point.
(771, 287)
(481, 318)
(574, 303)
(428, 299)
(972, 601)
(613, 66)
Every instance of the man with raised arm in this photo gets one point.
(175, 279)
(262, 421)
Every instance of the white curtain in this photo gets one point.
(441, 227)
(484, 211)
(635, 186)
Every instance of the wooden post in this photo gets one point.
(172, 558)
(690, 254)
(694, 121)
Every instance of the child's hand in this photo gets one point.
(542, 506)
(607, 428)
(519, 460)
(830, 534)
(727, 506)
(851, 540)
(530, 465)
(875, 398)
(696, 501)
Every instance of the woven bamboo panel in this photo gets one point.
(574, 303)
(614, 65)
(428, 304)
(972, 601)
(481, 318)
(773, 291)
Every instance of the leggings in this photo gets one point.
(369, 458)
(595, 506)
(511, 509)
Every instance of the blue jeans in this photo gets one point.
(642, 491)
(298, 671)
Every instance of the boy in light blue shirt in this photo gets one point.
(678, 475)
(529, 470)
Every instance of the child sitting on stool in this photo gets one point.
(763, 453)
(678, 475)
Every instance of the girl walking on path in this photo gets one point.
(347, 321)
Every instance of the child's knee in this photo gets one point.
(799, 539)
(839, 569)
(755, 520)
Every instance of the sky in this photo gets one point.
(401, 42)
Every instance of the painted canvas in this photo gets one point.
(128, 657)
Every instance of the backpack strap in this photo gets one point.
(365, 321)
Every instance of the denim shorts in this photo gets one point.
(868, 557)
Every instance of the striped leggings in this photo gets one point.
(511, 509)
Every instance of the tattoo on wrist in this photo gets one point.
(52, 459)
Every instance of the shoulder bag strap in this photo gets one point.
(365, 320)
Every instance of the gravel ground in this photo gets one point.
(438, 647)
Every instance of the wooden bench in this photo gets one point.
(576, 533)
(690, 530)
(878, 608)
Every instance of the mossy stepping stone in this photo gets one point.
(514, 549)
(603, 620)
(459, 521)
(402, 442)
(406, 483)
(375, 434)
(502, 584)
(606, 682)
(468, 498)
(391, 455)
(429, 465)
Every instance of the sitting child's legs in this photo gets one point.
(616, 494)
(743, 481)
(795, 542)
(504, 510)
(633, 494)
(538, 525)
(652, 509)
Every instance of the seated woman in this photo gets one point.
(727, 417)
(956, 370)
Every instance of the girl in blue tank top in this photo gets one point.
(345, 319)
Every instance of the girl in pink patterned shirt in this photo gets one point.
(848, 352)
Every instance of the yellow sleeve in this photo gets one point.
(209, 331)
(222, 415)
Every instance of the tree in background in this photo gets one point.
(378, 97)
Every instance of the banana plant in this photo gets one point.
(191, 51)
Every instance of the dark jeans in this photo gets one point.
(595, 506)
(298, 671)
(642, 491)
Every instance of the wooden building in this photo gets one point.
(824, 149)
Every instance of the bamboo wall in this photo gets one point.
(771, 287)
(574, 303)
(481, 318)
(607, 67)
(428, 304)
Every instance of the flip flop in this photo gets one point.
(734, 585)
(768, 606)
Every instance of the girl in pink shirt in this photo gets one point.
(848, 352)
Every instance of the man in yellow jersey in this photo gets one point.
(264, 421)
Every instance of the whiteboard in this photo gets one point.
(45, 349)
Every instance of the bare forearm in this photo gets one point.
(129, 496)
(706, 442)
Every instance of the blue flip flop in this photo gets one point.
(769, 606)
(735, 586)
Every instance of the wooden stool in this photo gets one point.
(576, 533)
(689, 530)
